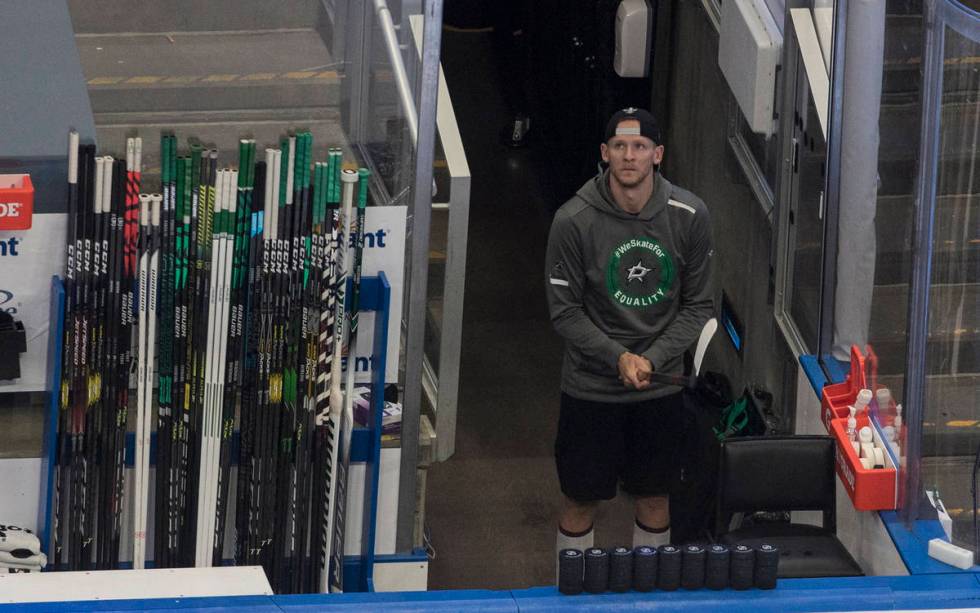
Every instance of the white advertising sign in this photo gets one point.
(384, 249)
(28, 260)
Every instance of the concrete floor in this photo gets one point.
(492, 508)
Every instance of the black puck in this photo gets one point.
(766, 567)
(716, 568)
(644, 568)
(692, 567)
(571, 568)
(742, 567)
(620, 569)
(766, 555)
(596, 570)
(669, 572)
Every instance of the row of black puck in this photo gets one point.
(667, 568)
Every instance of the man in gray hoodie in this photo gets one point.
(628, 285)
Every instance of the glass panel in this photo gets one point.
(438, 254)
(764, 154)
(385, 136)
(898, 148)
(806, 227)
(951, 433)
(438, 249)
(897, 161)
(209, 71)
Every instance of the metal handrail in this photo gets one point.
(398, 65)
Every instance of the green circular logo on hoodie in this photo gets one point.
(640, 273)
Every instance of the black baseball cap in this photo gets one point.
(648, 125)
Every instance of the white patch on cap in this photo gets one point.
(628, 131)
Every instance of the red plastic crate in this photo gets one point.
(869, 489)
(836, 397)
(16, 202)
(871, 359)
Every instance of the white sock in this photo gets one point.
(651, 538)
(580, 541)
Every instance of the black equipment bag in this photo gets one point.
(692, 497)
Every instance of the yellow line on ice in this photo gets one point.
(961, 423)
(260, 76)
(144, 80)
(105, 80)
(221, 78)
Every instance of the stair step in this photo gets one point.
(900, 125)
(894, 218)
(208, 71)
(894, 227)
(903, 58)
(903, 39)
(107, 16)
(955, 395)
(895, 267)
(950, 424)
(891, 354)
(889, 315)
(955, 173)
(903, 7)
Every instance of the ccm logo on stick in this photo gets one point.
(16, 202)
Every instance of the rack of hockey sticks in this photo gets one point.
(218, 305)
(98, 324)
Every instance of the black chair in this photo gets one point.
(784, 473)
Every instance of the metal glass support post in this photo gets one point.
(828, 277)
(418, 286)
(357, 66)
(442, 388)
(925, 211)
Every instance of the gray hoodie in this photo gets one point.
(620, 282)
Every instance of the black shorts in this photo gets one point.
(600, 444)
